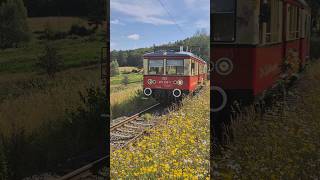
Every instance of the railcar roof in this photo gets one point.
(171, 53)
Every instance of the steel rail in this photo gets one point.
(87, 170)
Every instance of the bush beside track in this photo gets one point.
(280, 148)
(177, 148)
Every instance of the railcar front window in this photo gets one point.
(223, 17)
(175, 67)
(156, 67)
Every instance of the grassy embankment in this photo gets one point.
(177, 148)
(28, 97)
(280, 148)
(127, 99)
(42, 116)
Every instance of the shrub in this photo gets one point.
(50, 34)
(114, 68)
(13, 24)
(50, 61)
(80, 30)
(125, 80)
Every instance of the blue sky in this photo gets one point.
(142, 23)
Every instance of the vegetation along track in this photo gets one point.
(129, 130)
(121, 134)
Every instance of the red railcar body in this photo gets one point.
(248, 60)
(171, 74)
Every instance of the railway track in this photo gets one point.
(121, 134)
(130, 129)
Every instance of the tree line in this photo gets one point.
(40, 8)
(197, 44)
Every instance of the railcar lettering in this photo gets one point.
(265, 71)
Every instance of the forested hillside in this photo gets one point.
(198, 44)
(40, 8)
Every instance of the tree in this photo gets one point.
(50, 61)
(114, 68)
(125, 80)
(13, 24)
(122, 58)
(97, 13)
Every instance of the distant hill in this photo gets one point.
(199, 44)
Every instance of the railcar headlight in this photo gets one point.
(150, 81)
(180, 82)
(224, 66)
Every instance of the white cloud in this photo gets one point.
(134, 37)
(116, 21)
(142, 11)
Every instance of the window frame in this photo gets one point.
(183, 65)
(293, 26)
(270, 32)
(234, 22)
(163, 63)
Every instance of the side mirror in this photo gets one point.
(265, 13)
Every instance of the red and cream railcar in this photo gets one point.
(169, 75)
(251, 40)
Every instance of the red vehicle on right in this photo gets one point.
(251, 42)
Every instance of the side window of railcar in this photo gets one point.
(196, 68)
(223, 15)
(193, 67)
(175, 67)
(273, 26)
(293, 14)
(156, 67)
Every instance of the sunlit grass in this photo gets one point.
(278, 148)
(178, 148)
(32, 106)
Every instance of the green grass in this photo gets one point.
(133, 78)
(278, 148)
(57, 23)
(37, 99)
(75, 53)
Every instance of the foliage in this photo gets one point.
(128, 100)
(114, 68)
(78, 132)
(178, 148)
(199, 44)
(50, 34)
(279, 147)
(13, 24)
(125, 80)
(97, 13)
(80, 30)
(51, 62)
(80, 8)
